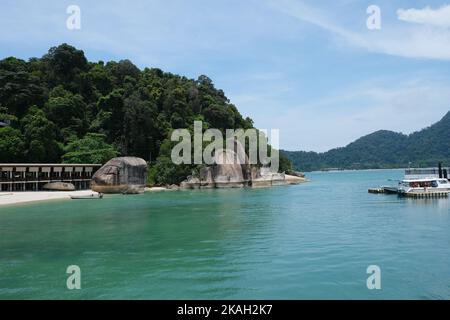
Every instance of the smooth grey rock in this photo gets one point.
(59, 186)
(297, 174)
(121, 175)
(190, 183)
(232, 170)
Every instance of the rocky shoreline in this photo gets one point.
(258, 180)
(232, 169)
(128, 175)
(195, 184)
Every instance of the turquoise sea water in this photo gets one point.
(313, 240)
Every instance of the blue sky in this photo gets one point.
(310, 68)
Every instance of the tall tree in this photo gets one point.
(68, 112)
(12, 145)
(92, 148)
(64, 63)
(40, 137)
(18, 87)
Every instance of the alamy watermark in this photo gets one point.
(228, 150)
(374, 280)
(73, 22)
(74, 280)
(373, 21)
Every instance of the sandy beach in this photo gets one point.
(10, 198)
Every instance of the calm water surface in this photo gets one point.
(314, 240)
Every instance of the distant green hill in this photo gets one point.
(383, 149)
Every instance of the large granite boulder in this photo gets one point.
(291, 179)
(264, 177)
(231, 169)
(190, 183)
(207, 177)
(121, 175)
(228, 170)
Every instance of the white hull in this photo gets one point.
(424, 185)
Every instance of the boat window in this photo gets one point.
(443, 181)
(419, 184)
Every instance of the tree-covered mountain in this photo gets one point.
(383, 149)
(61, 107)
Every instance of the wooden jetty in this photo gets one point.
(384, 189)
(426, 194)
(414, 194)
(376, 190)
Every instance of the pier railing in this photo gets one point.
(32, 177)
(423, 173)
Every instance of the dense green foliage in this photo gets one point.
(92, 148)
(383, 149)
(63, 108)
(12, 144)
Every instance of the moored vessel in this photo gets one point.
(87, 197)
(420, 182)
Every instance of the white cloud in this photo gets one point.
(410, 41)
(433, 17)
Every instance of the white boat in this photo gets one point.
(420, 181)
(423, 185)
(87, 197)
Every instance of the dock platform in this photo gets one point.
(376, 190)
(415, 195)
(426, 194)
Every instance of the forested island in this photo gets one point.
(63, 108)
(382, 150)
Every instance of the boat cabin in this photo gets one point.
(423, 184)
